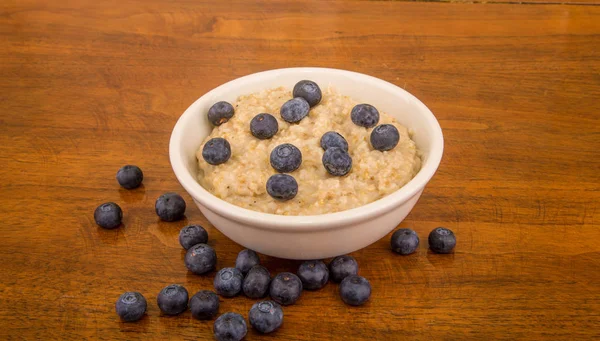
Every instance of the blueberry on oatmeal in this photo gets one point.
(294, 110)
(216, 151)
(308, 90)
(365, 115)
(220, 113)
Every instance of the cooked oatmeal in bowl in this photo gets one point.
(258, 127)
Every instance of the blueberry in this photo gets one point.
(230, 327)
(294, 110)
(364, 115)
(314, 274)
(355, 290)
(245, 260)
(308, 90)
(333, 139)
(282, 187)
(131, 306)
(204, 305)
(228, 282)
(173, 299)
(266, 316)
(256, 283)
(285, 288)
(342, 267)
(192, 235)
(170, 206)
(216, 151)
(108, 215)
(130, 176)
(337, 161)
(286, 158)
(220, 113)
(405, 241)
(442, 240)
(264, 126)
(385, 137)
(200, 259)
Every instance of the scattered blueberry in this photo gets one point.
(245, 260)
(256, 283)
(364, 115)
(228, 282)
(385, 137)
(264, 126)
(200, 259)
(405, 241)
(204, 305)
(230, 327)
(294, 110)
(170, 206)
(314, 274)
(131, 306)
(108, 215)
(285, 288)
(286, 158)
(355, 290)
(266, 316)
(342, 267)
(337, 161)
(192, 235)
(308, 90)
(173, 299)
(130, 176)
(333, 139)
(442, 240)
(220, 113)
(282, 187)
(216, 151)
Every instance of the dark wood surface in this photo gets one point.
(88, 86)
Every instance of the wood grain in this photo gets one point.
(88, 86)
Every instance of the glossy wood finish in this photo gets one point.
(88, 86)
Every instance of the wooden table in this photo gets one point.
(88, 86)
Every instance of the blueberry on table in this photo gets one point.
(285, 288)
(130, 176)
(405, 241)
(264, 126)
(230, 327)
(286, 158)
(294, 110)
(220, 113)
(245, 260)
(173, 299)
(442, 240)
(170, 207)
(131, 306)
(216, 151)
(200, 259)
(342, 267)
(204, 305)
(314, 274)
(308, 90)
(282, 187)
(385, 137)
(108, 215)
(364, 115)
(228, 282)
(256, 283)
(192, 235)
(355, 290)
(266, 316)
(337, 161)
(333, 139)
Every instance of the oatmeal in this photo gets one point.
(241, 180)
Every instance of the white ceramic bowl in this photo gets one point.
(317, 236)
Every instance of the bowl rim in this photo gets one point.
(306, 222)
